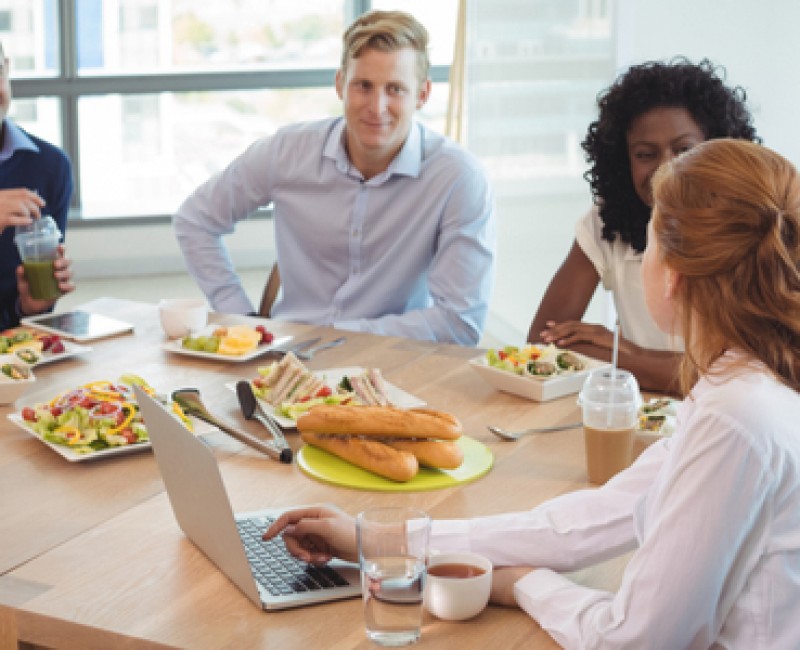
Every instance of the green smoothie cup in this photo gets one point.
(38, 248)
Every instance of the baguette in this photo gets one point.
(380, 421)
(440, 454)
(373, 456)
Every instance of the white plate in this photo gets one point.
(176, 347)
(332, 376)
(70, 350)
(667, 426)
(535, 388)
(200, 429)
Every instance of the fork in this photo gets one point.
(308, 354)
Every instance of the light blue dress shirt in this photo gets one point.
(409, 252)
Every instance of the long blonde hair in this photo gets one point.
(727, 219)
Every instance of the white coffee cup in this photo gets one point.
(457, 585)
(182, 316)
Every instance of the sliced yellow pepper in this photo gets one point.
(176, 408)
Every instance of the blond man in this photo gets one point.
(381, 225)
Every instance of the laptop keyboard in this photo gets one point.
(275, 569)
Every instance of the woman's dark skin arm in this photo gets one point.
(558, 320)
(568, 294)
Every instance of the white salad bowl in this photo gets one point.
(12, 389)
(539, 389)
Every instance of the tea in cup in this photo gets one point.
(182, 316)
(457, 586)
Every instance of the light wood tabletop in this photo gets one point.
(91, 555)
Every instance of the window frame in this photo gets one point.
(68, 87)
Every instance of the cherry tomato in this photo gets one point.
(56, 347)
(129, 436)
(325, 391)
(501, 354)
(55, 411)
(28, 414)
(106, 408)
(260, 382)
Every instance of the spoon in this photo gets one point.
(251, 409)
(306, 356)
(516, 435)
(189, 400)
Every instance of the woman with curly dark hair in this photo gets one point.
(650, 114)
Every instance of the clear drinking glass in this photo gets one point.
(393, 552)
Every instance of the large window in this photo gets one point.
(150, 97)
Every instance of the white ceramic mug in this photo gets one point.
(182, 316)
(457, 586)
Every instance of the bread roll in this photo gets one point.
(440, 454)
(380, 421)
(370, 455)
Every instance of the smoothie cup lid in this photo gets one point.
(44, 226)
(609, 386)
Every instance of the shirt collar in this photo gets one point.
(15, 139)
(406, 163)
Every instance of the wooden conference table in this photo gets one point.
(90, 553)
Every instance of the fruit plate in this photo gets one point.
(326, 467)
(200, 429)
(176, 347)
(535, 388)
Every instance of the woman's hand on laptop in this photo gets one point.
(317, 534)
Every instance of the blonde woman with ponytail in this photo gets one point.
(712, 514)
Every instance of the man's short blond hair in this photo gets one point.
(387, 31)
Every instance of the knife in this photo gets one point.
(296, 347)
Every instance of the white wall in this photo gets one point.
(757, 42)
(125, 250)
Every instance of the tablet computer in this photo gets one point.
(78, 325)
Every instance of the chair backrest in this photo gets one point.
(270, 292)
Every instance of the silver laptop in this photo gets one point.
(265, 571)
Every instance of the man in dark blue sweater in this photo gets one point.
(35, 179)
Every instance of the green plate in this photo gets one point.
(326, 467)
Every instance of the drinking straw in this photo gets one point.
(614, 353)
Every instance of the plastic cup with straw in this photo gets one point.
(610, 403)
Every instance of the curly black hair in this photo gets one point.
(719, 111)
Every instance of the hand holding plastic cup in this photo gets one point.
(38, 248)
(610, 401)
(393, 552)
